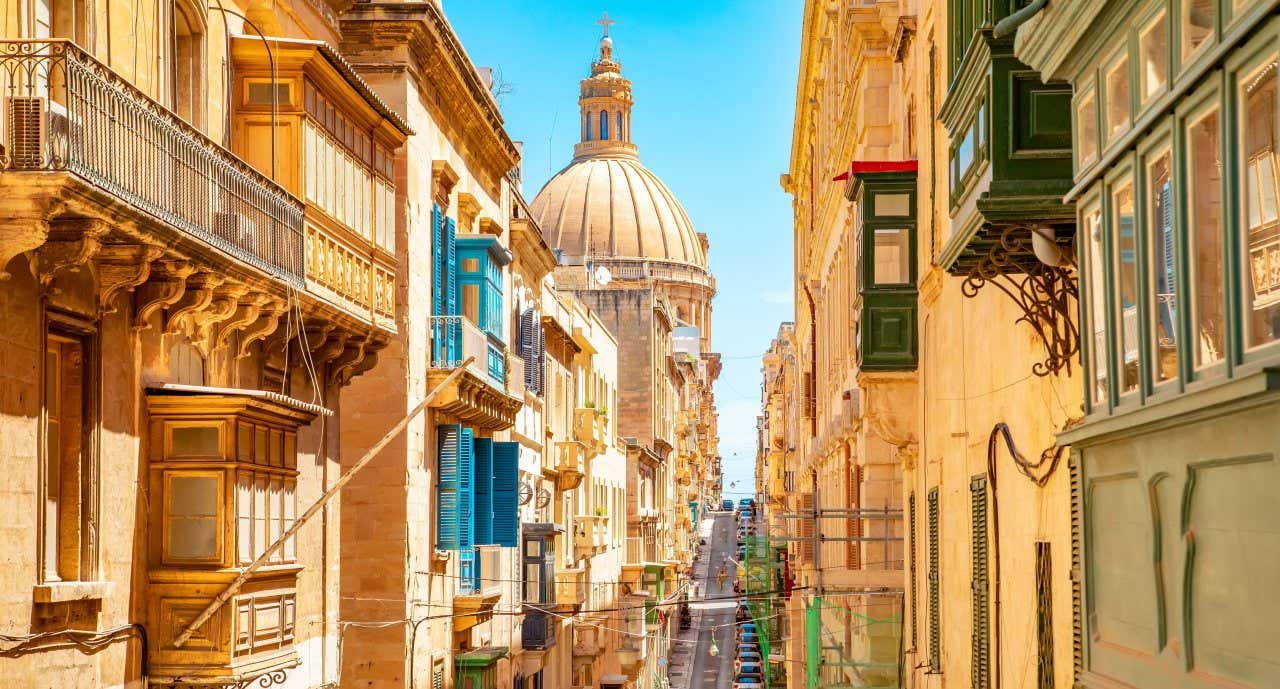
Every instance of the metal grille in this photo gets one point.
(935, 634)
(1044, 614)
(437, 674)
(65, 110)
(1077, 602)
(911, 560)
(980, 656)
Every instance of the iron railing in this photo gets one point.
(454, 338)
(65, 111)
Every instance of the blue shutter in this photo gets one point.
(484, 490)
(448, 477)
(466, 489)
(539, 356)
(528, 348)
(437, 261)
(454, 340)
(506, 490)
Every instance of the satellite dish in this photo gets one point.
(602, 275)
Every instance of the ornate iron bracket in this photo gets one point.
(1046, 295)
(266, 679)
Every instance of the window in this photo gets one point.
(193, 513)
(1044, 616)
(1118, 98)
(1162, 250)
(620, 135)
(187, 65)
(935, 621)
(1262, 220)
(1126, 271)
(1096, 305)
(67, 511)
(980, 659)
(586, 131)
(58, 19)
(1153, 47)
(892, 257)
(1204, 231)
(913, 544)
(1197, 24)
(1087, 130)
(604, 125)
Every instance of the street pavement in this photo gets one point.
(699, 669)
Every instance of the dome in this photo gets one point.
(611, 206)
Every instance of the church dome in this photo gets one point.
(613, 207)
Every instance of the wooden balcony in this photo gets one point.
(591, 428)
(481, 396)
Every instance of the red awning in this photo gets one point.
(860, 166)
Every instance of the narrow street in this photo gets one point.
(714, 618)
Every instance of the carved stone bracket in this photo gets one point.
(344, 365)
(248, 308)
(1045, 294)
(226, 300)
(264, 326)
(443, 179)
(122, 267)
(71, 243)
(197, 297)
(166, 286)
(19, 235)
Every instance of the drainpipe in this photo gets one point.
(1009, 25)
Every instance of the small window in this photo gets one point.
(1118, 98)
(604, 125)
(1153, 46)
(195, 441)
(192, 516)
(1261, 215)
(66, 516)
(1097, 305)
(892, 204)
(1163, 252)
(1126, 268)
(1204, 234)
(1087, 129)
(1197, 24)
(892, 257)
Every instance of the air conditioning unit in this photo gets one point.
(237, 229)
(28, 132)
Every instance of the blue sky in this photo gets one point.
(714, 89)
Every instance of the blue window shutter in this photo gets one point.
(484, 490)
(448, 509)
(506, 494)
(437, 261)
(451, 267)
(466, 489)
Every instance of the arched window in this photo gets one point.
(586, 128)
(604, 125)
(620, 135)
(187, 77)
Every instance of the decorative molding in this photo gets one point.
(197, 297)
(248, 309)
(19, 235)
(122, 267)
(267, 323)
(226, 300)
(70, 244)
(1045, 294)
(166, 286)
(443, 179)
(902, 35)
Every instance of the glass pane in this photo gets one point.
(893, 204)
(532, 583)
(195, 441)
(1087, 128)
(1097, 310)
(1118, 98)
(1197, 24)
(193, 538)
(1154, 49)
(533, 548)
(1262, 308)
(471, 303)
(1205, 238)
(191, 496)
(244, 518)
(892, 257)
(1126, 285)
(1162, 249)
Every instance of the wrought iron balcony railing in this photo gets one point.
(454, 338)
(63, 110)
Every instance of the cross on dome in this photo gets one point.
(606, 22)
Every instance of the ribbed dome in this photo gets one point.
(611, 206)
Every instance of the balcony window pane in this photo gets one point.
(1205, 238)
(1126, 284)
(1097, 304)
(892, 204)
(193, 517)
(1154, 48)
(532, 582)
(1087, 129)
(1262, 238)
(1118, 98)
(1197, 24)
(892, 257)
(1163, 258)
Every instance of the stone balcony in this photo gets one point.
(571, 464)
(482, 396)
(571, 589)
(591, 428)
(591, 535)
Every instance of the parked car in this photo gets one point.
(746, 659)
(746, 503)
(748, 648)
(748, 681)
(749, 638)
(747, 627)
(726, 505)
(751, 669)
(744, 612)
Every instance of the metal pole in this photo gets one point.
(235, 585)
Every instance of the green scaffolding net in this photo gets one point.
(853, 639)
(760, 580)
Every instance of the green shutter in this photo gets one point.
(506, 494)
(484, 491)
(980, 651)
(911, 560)
(935, 635)
(1044, 615)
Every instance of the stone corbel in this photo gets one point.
(70, 244)
(122, 267)
(344, 365)
(25, 227)
(226, 300)
(369, 360)
(197, 297)
(443, 179)
(468, 209)
(167, 284)
(329, 348)
(248, 308)
(267, 322)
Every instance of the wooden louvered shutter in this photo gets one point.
(506, 494)
(935, 633)
(539, 356)
(528, 348)
(484, 491)
(451, 267)
(1165, 285)
(1044, 615)
(448, 488)
(853, 525)
(807, 509)
(437, 261)
(911, 563)
(980, 670)
(1077, 544)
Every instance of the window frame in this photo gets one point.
(1096, 201)
(1122, 173)
(220, 516)
(1088, 91)
(1159, 142)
